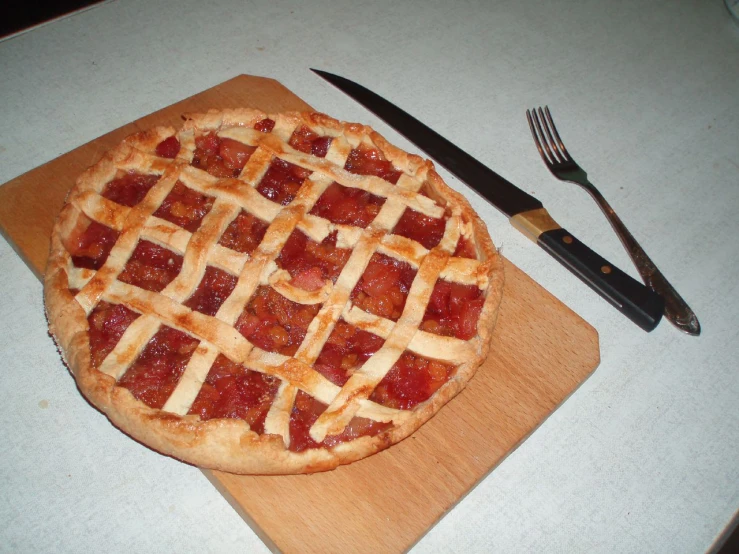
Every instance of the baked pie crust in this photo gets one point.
(171, 248)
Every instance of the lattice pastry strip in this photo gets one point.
(120, 252)
(304, 345)
(364, 381)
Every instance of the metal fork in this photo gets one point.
(560, 163)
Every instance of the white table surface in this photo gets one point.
(642, 458)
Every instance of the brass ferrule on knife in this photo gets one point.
(534, 222)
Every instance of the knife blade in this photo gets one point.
(527, 214)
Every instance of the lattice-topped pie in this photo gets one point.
(269, 293)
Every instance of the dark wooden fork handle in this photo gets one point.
(640, 304)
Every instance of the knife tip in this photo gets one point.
(330, 77)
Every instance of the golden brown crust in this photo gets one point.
(228, 444)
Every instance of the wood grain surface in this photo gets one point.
(541, 352)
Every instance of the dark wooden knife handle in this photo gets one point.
(639, 303)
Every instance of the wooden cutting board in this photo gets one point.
(541, 352)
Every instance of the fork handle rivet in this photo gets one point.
(606, 269)
(567, 239)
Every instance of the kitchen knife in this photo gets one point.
(637, 302)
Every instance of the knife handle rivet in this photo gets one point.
(606, 269)
(567, 239)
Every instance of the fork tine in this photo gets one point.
(559, 157)
(536, 138)
(560, 144)
(552, 158)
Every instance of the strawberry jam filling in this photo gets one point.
(424, 229)
(130, 189)
(244, 233)
(185, 207)
(384, 286)
(305, 413)
(311, 263)
(274, 323)
(107, 324)
(212, 291)
(156, 371)
(465, 249)
(91, 248)
(168, 148)
(453, 310)
(221, 157)
(412, 380)
(233, 391)
(265, 125)
(365, 160)
(347, 205)
(151, 267)
(282, 181)
(307, 141)
(346, 349)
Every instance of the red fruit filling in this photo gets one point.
(265, 125)
(370, 161)
(310, 279)
(282, 181)
(465, 249)
(383, 288)
(346, 349)
(306, 411)
(212, 291)
(151, 267)
(156, 371)
(91, 248)
(221, 157)
(107, 324)
(130, 189)
(421, 228)
(307, 141)
(412, 380)
(453, 310)
(168, 148)
(233, 391)
(244, 233)
(274, 323)
(311, 263)
(348, 206)
(185, 207)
